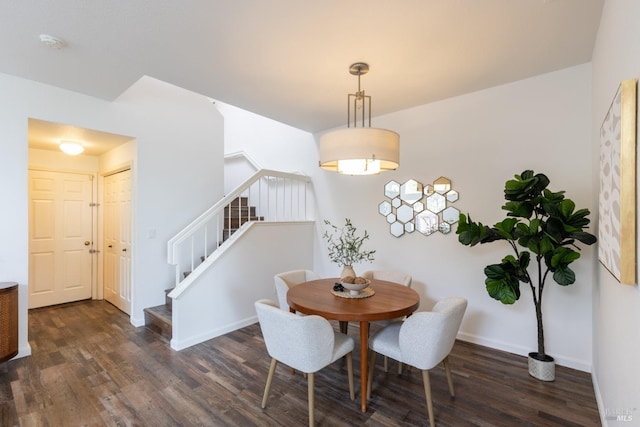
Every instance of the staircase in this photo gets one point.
(275, 197)
(158, 318)
(237, 213)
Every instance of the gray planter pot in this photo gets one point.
(544, 370)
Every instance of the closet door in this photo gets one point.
(117, 240)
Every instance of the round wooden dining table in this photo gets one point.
(389, 301)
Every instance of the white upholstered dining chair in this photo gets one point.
(389, 276)
(423, 340)
(395, 277)
(284, 281)
(305, 343)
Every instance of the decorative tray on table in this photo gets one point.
(365, 293)
(346, 288)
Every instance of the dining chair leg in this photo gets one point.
(447, 369)
(372, 364)
(399, 368)
(311, 383)
(267, 387)
(427, 392)
(352, 393)
(386, 364)
(344, 326)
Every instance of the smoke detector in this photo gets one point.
(52, 42)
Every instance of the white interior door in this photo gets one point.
(117, 240)
(60, 237)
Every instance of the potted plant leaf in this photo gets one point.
(543, 229)
(345, 246)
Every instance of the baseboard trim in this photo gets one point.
(569, 362)
(136, 321)
(599, 402)
(23, 351)
(178, 345)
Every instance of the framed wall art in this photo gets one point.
(617, 198)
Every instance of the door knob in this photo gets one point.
(87, 243)
(110, 246)
(124, 250)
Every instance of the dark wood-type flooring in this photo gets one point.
(90, 367)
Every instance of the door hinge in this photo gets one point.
(93, 251)
(93, 205)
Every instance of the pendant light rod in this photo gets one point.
(358, 69)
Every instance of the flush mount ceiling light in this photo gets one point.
(359, 150)
(71, 147)
(52, 42)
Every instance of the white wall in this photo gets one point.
(478, 141)
(21, 100)
(616, 307)
(60, 161)
(222, 299)
(179, 172)
(117, 158)
(179, 140)
(272, 144)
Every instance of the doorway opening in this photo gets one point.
(67, 254)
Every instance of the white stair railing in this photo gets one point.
(276, 197)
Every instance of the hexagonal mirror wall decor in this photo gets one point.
(397, 229)
(436, 203)
(411, 191)
(391, 218)
(413, 206)
(392, 189)
(404, 213)
(427, 222)
(451, 215)
(442, 185)
(445, 227)
(384, 208)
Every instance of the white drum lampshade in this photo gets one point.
(360, 151)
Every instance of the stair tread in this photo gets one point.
(244, 218)
(240, 200)
(162, 311)
(158, 319)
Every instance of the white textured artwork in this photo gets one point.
(617, 202)
(609, 200)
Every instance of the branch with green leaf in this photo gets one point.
(540, 224)
(345, 247)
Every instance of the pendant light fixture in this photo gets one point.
(359, 150)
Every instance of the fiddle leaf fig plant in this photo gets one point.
(543, 229)
(345, 246)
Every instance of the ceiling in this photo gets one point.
(288, 59)
(45, 135)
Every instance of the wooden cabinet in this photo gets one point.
(8, 320)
